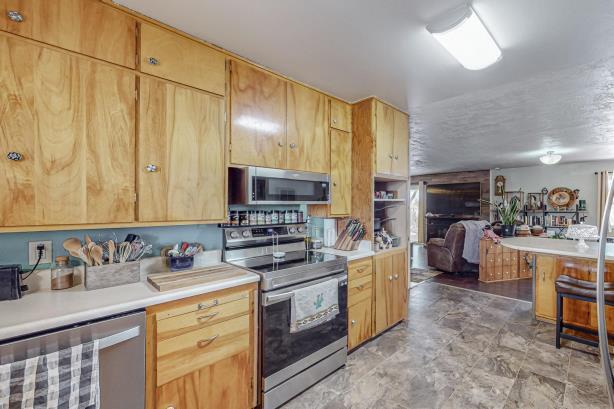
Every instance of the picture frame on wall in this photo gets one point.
(518, 194)
(535, 201)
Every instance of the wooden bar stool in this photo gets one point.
(568, 287)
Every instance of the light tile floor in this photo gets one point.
(463, 349)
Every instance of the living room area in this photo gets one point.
(451, 211)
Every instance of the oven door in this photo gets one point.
(275, 186)
(285, 354)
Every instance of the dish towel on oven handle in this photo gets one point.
(314, 305)
(68, 378)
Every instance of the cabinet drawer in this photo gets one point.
(191, 351)
(340, 115)
(359, 289)
(360, 268)
(359, 323)
(176, 58)
(180, 324)
(201, 304)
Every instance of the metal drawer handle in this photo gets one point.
(204, 318)
(205, 342)
(15, 16)
(280, 144)
(202, 306)
(360, 287)
(153, 61)
(14, 156)
(334, 121)
(360, 270)
(151, 168)
(292, 145)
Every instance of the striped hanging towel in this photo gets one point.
(66, 379)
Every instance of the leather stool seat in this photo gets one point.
(582, 288)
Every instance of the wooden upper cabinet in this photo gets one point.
(340, 115)
(400, 160)
(177, 58)
(181, 168)
(69, 122)
(258, 117)
(84, 26)
(307, 130)
(384, 137)
(340, 173)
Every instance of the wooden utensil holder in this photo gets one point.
(111, 275)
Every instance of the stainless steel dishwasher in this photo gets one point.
(121, 358)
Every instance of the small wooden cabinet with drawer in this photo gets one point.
(202, 351)
(360, 287)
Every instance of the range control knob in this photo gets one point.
(292, 230)
(234, 235)
(301, 229)
(245, 233)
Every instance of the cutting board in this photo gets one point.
(205, 275)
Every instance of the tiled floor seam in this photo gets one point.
(483, 293)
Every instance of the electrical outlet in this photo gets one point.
(33, 252)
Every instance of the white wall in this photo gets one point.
(572, 175)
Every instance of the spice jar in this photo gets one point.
(62, 275)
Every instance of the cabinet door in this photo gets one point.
(84, 26)
(72, 121)
(181, 154)
(258, 117)
(307, 130)
(545, 293)
(180, 393)
(384, 137)
(359, 318)
(176, 58)
(340, 172)
(400, 162)
(340, 115)
(227, 383)
(398, 302)
(383, 292)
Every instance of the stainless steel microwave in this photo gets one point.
(265, 186)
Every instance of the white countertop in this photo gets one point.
(557, 247)
(364, 250)
(46, 309)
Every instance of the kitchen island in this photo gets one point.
(552, 258)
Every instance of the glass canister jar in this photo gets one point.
(62, 275)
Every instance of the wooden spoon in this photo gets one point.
(111, 252)
(96, 254)
(88, 239)
(84, 254)
(73, 246)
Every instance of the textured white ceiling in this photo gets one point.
(357, 48)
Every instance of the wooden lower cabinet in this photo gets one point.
(501, 263)
(196, 360)
(359, 323)
(360, 300)
(545, 293)
(390, 289)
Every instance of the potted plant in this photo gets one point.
(508, 212)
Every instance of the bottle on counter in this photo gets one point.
(275, 217)
(62, 274)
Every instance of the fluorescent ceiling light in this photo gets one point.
(463, 34)
(550, 158)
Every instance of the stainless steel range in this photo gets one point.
(290, 362)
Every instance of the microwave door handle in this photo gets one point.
(118, 338)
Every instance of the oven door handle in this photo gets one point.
(275, 298)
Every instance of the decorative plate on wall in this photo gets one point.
(561, 197)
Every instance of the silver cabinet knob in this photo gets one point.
(396, 156)
(151, 168)
(153, 61)
(280, 144)
(334, 183)
(390, 278)
(390, 156)
(15, 156)
(396, 276)
(170, 407)
(353, 322)
(292, 145)
(15, 16)
(334, 121)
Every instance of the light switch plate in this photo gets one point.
(33, 253)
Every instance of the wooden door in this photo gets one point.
(384, 292)
(359, 319)
(84, 26)
(340, 173)
(545, 293)
(258, 117)
(384, 137)
(400, 161)
(398, 303)
(72, 121)
(340, 115)
(307, 130)
(177, 58)
(181, 169)
(227, 383)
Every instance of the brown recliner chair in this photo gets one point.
(447, 254)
